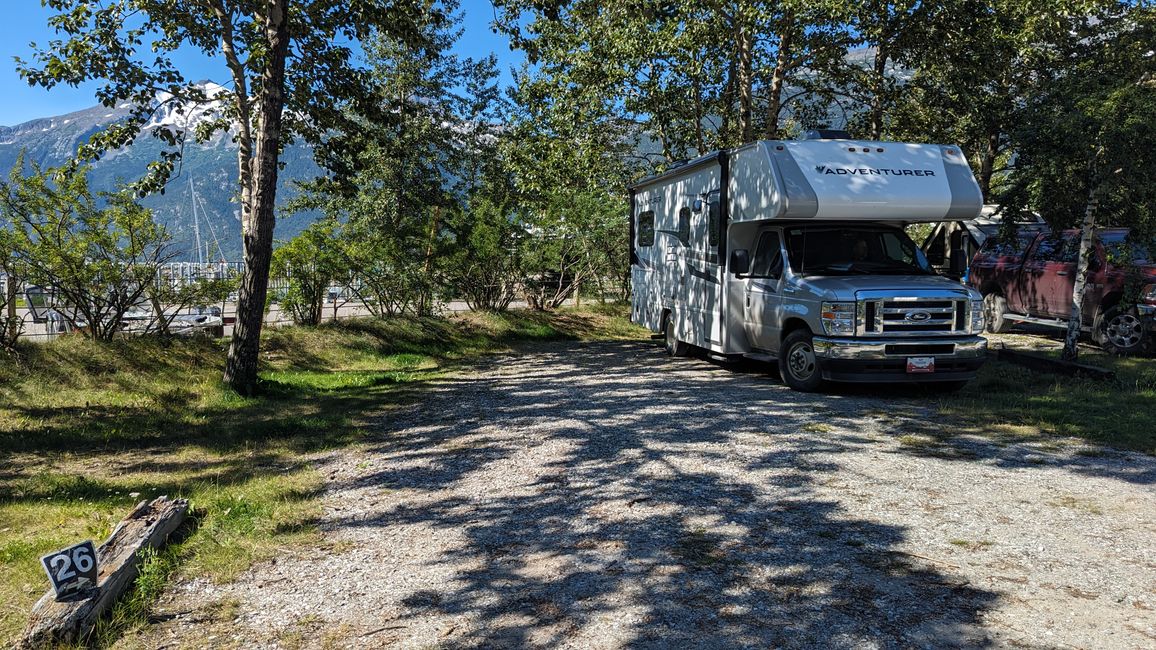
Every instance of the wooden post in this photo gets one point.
(71, 620)
(10, 301)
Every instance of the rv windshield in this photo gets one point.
(854, 250)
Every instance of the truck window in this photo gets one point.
(997, 246)
(768, 261)
(899, 248)
(854, 250)
(937, 249)
(1122, 252)
(1049, 249)
(646, 228)
(1071, 250)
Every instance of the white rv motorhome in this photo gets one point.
(794, 252)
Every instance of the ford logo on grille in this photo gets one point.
(917, 316)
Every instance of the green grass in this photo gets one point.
(87, 430)
(1011, 402)
(971, 545)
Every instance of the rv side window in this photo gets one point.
(712, 222)
(683, 233)
(768, 261)
(646, 228)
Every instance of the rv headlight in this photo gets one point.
(838, 318)
(977, 317)
(1148, 294)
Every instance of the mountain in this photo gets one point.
(211, 167)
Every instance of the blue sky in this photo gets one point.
(25, 21)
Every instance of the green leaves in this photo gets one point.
(307, 265)
(1087, 124)
(99, 252)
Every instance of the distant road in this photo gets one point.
(275, 317)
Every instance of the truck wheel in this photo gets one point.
(1122, 332)
(797, 363)
(994, 308)
(674, 347)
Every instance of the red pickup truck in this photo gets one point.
(1030, 279)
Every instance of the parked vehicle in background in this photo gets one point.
(951, 245)
(1030, 278)
(793, 252)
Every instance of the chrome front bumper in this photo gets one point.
(971, 347)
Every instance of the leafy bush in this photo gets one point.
(99, 253)
(309, 264)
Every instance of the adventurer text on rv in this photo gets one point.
(794, 251)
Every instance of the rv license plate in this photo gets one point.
(920, 364)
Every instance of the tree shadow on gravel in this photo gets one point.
(667, 510)
(921, 430)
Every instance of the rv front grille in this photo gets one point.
(901, 316)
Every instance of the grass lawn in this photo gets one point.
(87, 430)
(1011, 401)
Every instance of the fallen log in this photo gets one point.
(71, 619)
(1047, 364)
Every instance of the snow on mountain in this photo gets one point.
(186, 114)
(212, 167)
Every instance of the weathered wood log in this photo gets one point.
(72, 619)
(1048, 364)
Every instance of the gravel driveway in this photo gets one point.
(602, 495)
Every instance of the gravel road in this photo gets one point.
(602, 495)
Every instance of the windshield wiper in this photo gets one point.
(896, 265)
(846, 268)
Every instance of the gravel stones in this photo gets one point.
(602, 495)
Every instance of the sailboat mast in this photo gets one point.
(196, 222)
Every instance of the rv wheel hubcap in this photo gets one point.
(801, 361)
(1124, 330)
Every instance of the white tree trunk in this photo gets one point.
(1087, 237)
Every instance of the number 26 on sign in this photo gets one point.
(72, 569)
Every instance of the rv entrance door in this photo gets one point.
(763, 295)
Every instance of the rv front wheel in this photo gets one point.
(797, 363)
(674, 347)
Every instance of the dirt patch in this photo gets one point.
(602, 495)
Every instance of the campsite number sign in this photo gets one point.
(72, 569)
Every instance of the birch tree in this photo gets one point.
(1085, 144)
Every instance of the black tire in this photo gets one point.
(1122, 332)
(798, 365)
(673, 346)
(994, 309)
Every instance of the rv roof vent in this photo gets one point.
(826, 134)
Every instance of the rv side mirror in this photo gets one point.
(740, 261)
